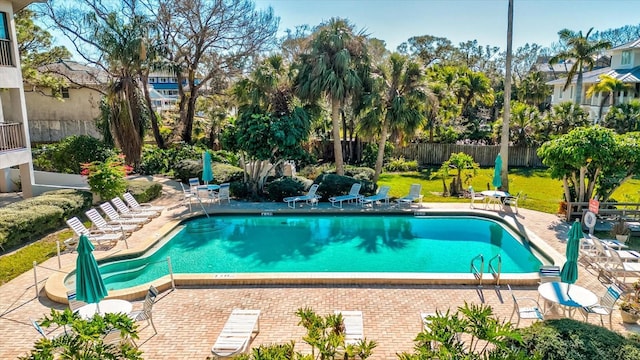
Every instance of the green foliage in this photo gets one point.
(272, 352)
(400, 164)
(284, 187)
(161, 161)
(464, 165)
(370, 153)
(472, 332)
(83, 339)
(185, 169)
(335, 185)
(359, 172)
(68, 155)
(144, 191)
(239, 190)
(21, 261)
(107, 178)
(574, 340)
(225, 173)
(25, 220)
(623, 118)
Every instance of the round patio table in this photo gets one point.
(106, 307)
(569, 296)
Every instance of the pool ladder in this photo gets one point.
(495, 271)
(478, 271)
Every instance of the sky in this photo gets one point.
(395, 21)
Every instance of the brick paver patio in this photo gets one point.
(189, 319)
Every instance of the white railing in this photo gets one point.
(5, 53)
(12, 137)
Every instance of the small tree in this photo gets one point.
(107, 178)
(464, 164)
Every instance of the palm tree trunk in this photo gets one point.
(380, 158)
(579, 87)
(152, 114)
(337, 143)
(504, 143)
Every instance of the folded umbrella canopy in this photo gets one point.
(89, 285)
(497, 180)
(569, 273)
(207, 172)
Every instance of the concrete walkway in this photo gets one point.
(190, 319)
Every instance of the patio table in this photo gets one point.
(109, 306)
(493, 197)
(569, 296)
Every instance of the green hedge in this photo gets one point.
(335, 185)
(29, 219)
(144, 191)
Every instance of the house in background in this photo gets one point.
(164, 90)
(53, 119)
(15, 148)
(625, 66)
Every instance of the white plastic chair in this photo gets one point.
(223, 193)
(353, 326)
(126, 211)
(414, 194)
(382, 195)
(475, 197)
(101, 224)
(74, 303)
(236, 333)
(146, 314)
(98, 236)
(353, 195)
(310, 197)
(136, 206)
(113, 215)
(532, 312)
(605, 307)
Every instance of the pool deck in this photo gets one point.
(190, 318)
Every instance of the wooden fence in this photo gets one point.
(485, 155)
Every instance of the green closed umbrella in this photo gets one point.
(89, 285)
(207, 172)
(497, 180)
(569, 273)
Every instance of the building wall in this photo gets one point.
(616, 60)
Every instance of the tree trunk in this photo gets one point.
(345, 145)
(337, 144)
(152, 114)
(380, 158)
(579, 87)
(504, 143)
(581, 189)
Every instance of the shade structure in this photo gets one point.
(569, 273)
(207, 172)
(89, 285)
(497, 180)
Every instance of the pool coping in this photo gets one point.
(56, 290)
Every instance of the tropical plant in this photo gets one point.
(335, 66)
(396, 104)
(533, 89)
(464, 164)
(623, 118)
(83, 339)
(107, 178)
(583, 52)
(525, 120)
(609, 86)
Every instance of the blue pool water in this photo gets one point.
(325, 243)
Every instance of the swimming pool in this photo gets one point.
(324, 243)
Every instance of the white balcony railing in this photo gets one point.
(12, 137)
(5, 53)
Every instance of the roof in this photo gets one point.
(592, 77)
(21, 4)
(76, 72)
(630, 45)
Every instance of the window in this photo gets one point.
(152, 80)
(163, 80)
(626, 58)
(4, 28)
(65, 93)
(560, 95)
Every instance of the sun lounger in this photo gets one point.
(137, 207)
(382, 195)
(353, 326)
(616, 267)
(125, 211)
(353, 195)
(113, 215)
(414, 194)
(101, 224)
(309, 198)
(236, 333)
(98, 236)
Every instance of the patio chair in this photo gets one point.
(414, 194)
(96, 236)
(223, 193)
(101, 224)
(475, 197)
(74, 303)
(512, 201)
(310, 197)
(616, 267)
(114, 216)
(382, 195)
(136, 206)
(353, 195)
(42, 333)
(236, 333)
(532, 312)
(353, 326)
(549, 273)
(125, 211)
(146, 314)
(605, 306)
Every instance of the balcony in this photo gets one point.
(12, 137)
(5, 53)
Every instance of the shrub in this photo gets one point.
(370, 153)
(284, 187)
(335, 185)
(312, 172)
(569, 339)
(161, 161)
(359, 172)
(68, 155)
(186, 169)
(144, 191)
(107, 178)
(239, 190)
(224, 173)
(401, 165)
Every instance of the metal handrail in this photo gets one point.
(478, 272)
(492, 269)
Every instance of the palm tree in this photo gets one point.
(396, 102)
(533, 89)
(334, 67)
(610, 86)
(583, 52)
(474, 87)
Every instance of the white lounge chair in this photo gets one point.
(475, 197)
(98, 236)
(353, 195)
(101, 224)
(414, 194)
(236, 333)
(125, 211)
(532, 312)
(615, 268)
(113, 215)
(136, 206)
(223, 193)
(310, 197)
(353, 326)
(382, 195)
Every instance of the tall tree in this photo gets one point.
(334, 68)
(533, 89)
(583, 52)
(623, 118)
(396, 102)
(610, 87)
(210, 42)
(506, 114)
(430, 49)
